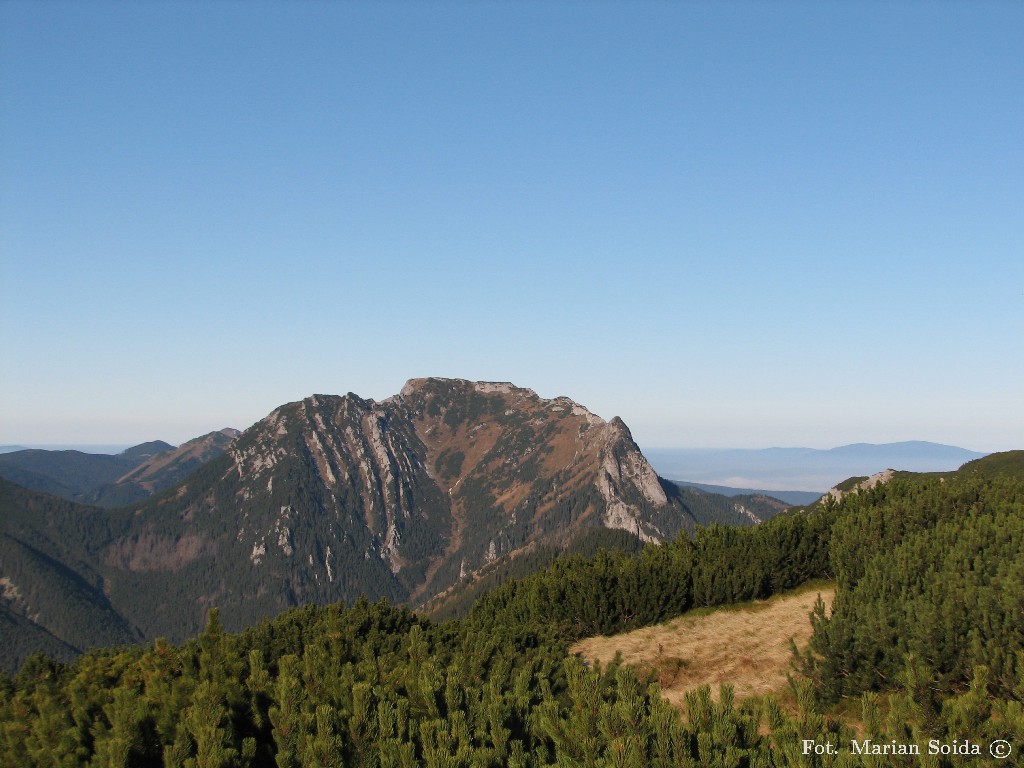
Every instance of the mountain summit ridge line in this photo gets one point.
(337, 497)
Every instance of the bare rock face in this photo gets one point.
(518, 468)
(879, 478)
(333, 497)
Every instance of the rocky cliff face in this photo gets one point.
(856, 485)
(332, 497)
(517, 468)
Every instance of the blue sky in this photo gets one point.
(732, 224)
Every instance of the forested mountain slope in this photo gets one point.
(375, 685)
(51, 582)
(162, 470)
(73, 475)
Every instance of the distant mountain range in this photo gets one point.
(83, 447)
(111, 480)
(802, 469)
(794, 498)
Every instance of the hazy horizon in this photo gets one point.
(177, 434)
(118, 447)
(775, 469)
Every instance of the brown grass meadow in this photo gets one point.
(745, 645)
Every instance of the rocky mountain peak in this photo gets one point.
(335, 496)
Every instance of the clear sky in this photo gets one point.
(733, 224)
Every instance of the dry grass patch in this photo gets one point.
(746, 646)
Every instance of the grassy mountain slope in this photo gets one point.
(746, 645)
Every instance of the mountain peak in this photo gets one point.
(337, 496)
(439, 384)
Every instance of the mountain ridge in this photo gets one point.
(111, 480)
(336, 497)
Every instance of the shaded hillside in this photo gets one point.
(69, 474)
(74, 475)
(51, 582)
(21, 637)
(791, 498)
(735, 509)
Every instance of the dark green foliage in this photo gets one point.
(53, 594)
(613, 592)
(449, 463)
(375, 685)
(366, 686)
(1005, 464)
(458, 601)
(22, 637)
(930, 574)
(68, 606)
